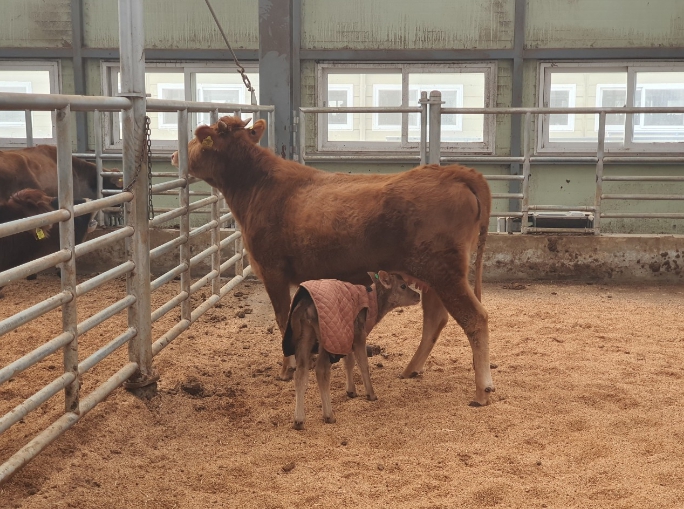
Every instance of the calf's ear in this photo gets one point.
(385, 279)
(257, 131)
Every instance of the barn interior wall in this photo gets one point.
(334, 30)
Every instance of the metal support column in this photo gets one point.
(132, 51)
(599, 171)
(516, 95)
(65, 191)
(527, 151)
(79, 72)
(216, 230)
(423, 127)
(184, 201)
(435, 140)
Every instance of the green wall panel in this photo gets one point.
(406, 24)
(174, 24)
(35, 24)
(604, 23)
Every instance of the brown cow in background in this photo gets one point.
(36, 168)
(27, 246)
(300, 223)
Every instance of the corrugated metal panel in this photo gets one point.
(173, 24)
(407, 24)
(35, 23)
(604, 23)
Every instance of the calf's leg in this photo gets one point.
(349, 371)
(459, 299)
(361, 355)
(304, 338)
(323, 377)
(435, 317)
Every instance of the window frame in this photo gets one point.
(404, 69)
(189, 69)
(615, 145)
(54, 69)
(571, 88)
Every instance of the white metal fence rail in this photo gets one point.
(430, 151)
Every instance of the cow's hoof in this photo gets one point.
(371, 397)
(412, 374)
(286, 375)
(490, 389)
(351, 394)
(32, 277)
(299, 426)
(329, 420)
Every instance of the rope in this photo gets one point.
(241, 69)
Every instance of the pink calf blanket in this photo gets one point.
(337, 303)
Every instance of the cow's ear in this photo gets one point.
(257, 131)
(204, 135)
(385, 279)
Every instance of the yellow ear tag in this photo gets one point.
(208, 142)
(40, 234)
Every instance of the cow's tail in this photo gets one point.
(481, 239)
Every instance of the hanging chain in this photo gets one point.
(241, 69)
(145, 144)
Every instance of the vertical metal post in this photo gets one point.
(132, 58)
(423, 127)
(599, 171)
(271, 131)
(65, 191)
(184, 201)
(527, 151)
(97, 123)
(435, 126)
(301, 125)
(216, 231)
(29, 128)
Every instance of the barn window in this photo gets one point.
(26, 78)
(400, 85)
(612, 85)
(182, 81)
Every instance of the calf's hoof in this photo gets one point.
(409, 374)
(351, 394)
(286, 375)
(371, 397)
(298, 425)
(482, 397)
(32, 277)
(329, 420)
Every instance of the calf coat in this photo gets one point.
(24, 247)
(300, 223)
(36, 168)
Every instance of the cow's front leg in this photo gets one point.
(435, 317)
(279, 293)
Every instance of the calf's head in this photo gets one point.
(393, 291)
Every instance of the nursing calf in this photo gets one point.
(299, 223)
(337, 316)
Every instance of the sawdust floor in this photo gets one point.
(588, 412)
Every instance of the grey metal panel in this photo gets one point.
(407, 24)
(517, 94)
(275, 67)
(35, 23)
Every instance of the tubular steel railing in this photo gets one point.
(430, 150)
(137, 334)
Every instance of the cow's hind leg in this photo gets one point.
(349, 370)
(435, 317)
(279, 293)
(459, 299)
(362, 360)
(323, 377)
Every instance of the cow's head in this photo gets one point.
(219, 138)
(113, 181)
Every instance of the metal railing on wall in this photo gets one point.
(137, 334)
(431, 151)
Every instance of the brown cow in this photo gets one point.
(36, 168)
(26, 246)
(300, 223)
